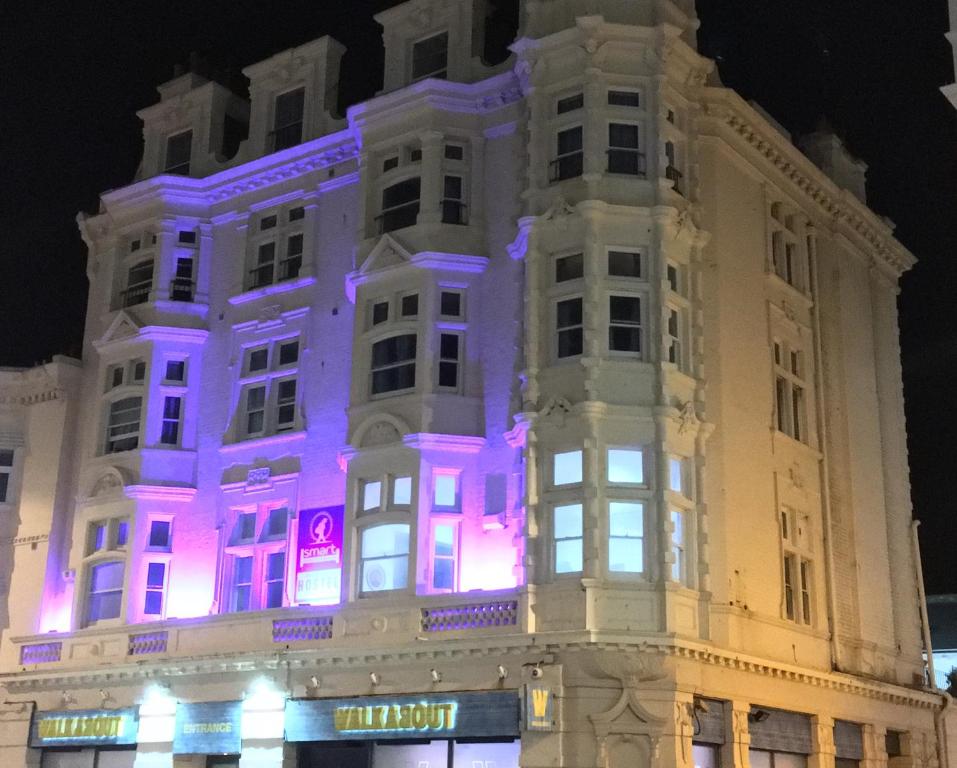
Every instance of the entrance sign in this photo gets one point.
(319, 556)
(442, 716)
(212, 728)
(84, 727)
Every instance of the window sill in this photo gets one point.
(799, 295)
(253, 443)
(284, 286)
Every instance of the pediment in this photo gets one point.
(123, 327)
(387, 253)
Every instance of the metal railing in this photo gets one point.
(137, 294)
(675, 176)
(399, 217)
(566, 167)
(628, 162)
(182, 289)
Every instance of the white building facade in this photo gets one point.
(539, 414)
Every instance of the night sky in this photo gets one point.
(72, 76)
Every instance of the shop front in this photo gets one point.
(91, 738)
(213, 729)
(455, 730)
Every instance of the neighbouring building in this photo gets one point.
(950, 90)
(539, 413)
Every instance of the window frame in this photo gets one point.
(361, 559)
(259, 547)
(178, 168)
(399, 363)
(641, 325)
(557, 330)
(640, 160)
(555, 540)
(441, 73)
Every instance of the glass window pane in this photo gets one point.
(675, 474)
(705, 756)
(625, 518)
(494, 755)
(450, 304)
(446, 490)
(625, 466)
(569, 313)
(443, 573)
(371, 495)
(159, 534)
(759, 758)
(385, 541)
(567, 468)
(568, 556)
(444, 540)
(155, 575)
(242, 570)
(107, 576)
(385, 573)
(431, 755)
(624, 264)
(568, 521)
(276, 566)
(789, 760)
(625, 555)
(402, 491)
(569, 267)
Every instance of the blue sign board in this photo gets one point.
(84, 728)
(433, 716)
(211, 728)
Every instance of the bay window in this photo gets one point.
(624, 324)
(104, 599)
(123, 425)
(569, 156)
(624, 155)
(400, 205)
(626, 536)
(384, 558)
(568, 538)
(393, 364)
(569, 327)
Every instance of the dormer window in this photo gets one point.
(430, 57)
(179, 148)
(287, 123)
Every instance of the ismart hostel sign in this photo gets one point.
(444, 716)
(84, 727)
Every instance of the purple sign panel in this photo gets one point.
(319, 556)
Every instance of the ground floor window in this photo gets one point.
(421, 754)
(88, 758)
(761, 758)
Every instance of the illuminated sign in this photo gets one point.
(538, 708)
(211, 728)
(319, 556)
(73, 728)
(448, 716)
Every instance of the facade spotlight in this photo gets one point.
(502, 672)
(315, 681)
(374, 678)
(537, 672)
(435, 675)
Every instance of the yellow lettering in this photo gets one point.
(539, 702)
(418, 716)
(341, 718)
(405, 716)
(392, 719)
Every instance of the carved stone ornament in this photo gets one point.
(270, 314)
(687, 418)
(258, 476)
(559, 210)
(796, 475)
(107, 483)
(556, 405)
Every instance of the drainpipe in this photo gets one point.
(824, 464)
(925, 623)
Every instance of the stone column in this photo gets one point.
(430, 199)
(875, 755)
(738, 738)
(164, 260)
(822, 742)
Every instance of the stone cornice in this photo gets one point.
(806, 180)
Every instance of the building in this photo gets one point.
(950, 90)
(942, 612)
(545, 413)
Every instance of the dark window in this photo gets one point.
(123, 427)
(393, 364)
(569, 103)
(390, 163)
(430, 57)
(183, 285)
(172, 410)
(286, 404)
(287, 125)
(275, 579)
(449, 360)
(624, 329)
(139, 370)
(569, 326)
(160, 534)
(400, 205)
(450, 304)
(268, 222)
(380, 312)
(155, 584)
(139, 283)
(623, 154)
(624, 264)
(178, 150)
(277, 524)
(288, 352)
(454, 152)
(258, 359)
(296, 214)
(187, 236)
(289, 267)
(265, 269)
(569, 268)
(415, 155)
(569, 163)
(410, 305)
(453, 205)
(624, 98)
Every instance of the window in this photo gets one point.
(430, 57)
(567, 468)
(400, 205)
(402, 491)
(569, 159)
(569, 268)
(179, 148)
(257, 564)
(675, 276)
(139, 283)
(389, 163)
(175, 371)
(105, 592)
(678, 564)
(569, 537)
(98, 538)
(287, 122)
(393, 364)
(624, 324)
(623, 153)
(453, 201)
(789, 391)
(122, 533)
(160, 536)
(172, 419)
(454, 152)
(123, 425)
(155, 589)
(787, 256)
(624, 99)
(275, 580)
(569, 327)
(410, 305)
(624, 264)
(297, 214)
(384, 558)
(677, 481)
(371, 496)
(6, 471)
(626, 466)
(276, 253)
(269, 402)
(450, 304)
(674, 335)
(277, 525)
(444, 557)
(291, 263)
(449, 351)
(569, 104)
(380, 312)
(797, 568)
(104, 535)
(626, 536)
(445, 492)
(265, 270)
(268, 222)
(242, 588)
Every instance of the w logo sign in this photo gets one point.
(538, 709)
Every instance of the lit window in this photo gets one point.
(678, 546)
(624, 326)
(287, 121)
(569, 157)
(123, 425)
(172, 418)
(446, 492)
(443, 557)
(567, 468)
(155, 589)
(569, 327)
(430, 57)
(626, 537)
(384, 558)
(371, 495)
(449, 360)
(569, 268)
(160, 536)
(625, 466)
(105, 592)
(6, 471)
(624, 155)
(568, 538)
(393, 364)
(402, 491)
(400, 205)
(179, 148)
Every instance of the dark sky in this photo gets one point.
(72, 75)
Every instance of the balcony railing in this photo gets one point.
(566, 167)
(454, 212)
(285, 137)
(398, 218)
(137, 294)
(675, 176)
(629, 162)
(182, 289)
